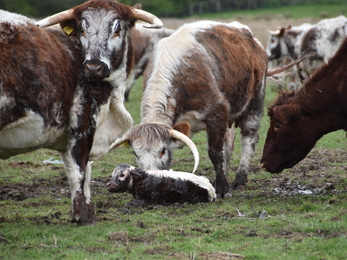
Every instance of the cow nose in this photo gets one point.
(94, 70)
(108, 185)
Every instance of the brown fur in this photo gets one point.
(299, 119)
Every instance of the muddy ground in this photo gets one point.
(312, 176)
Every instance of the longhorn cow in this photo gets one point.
(205, 76)
(64, 89)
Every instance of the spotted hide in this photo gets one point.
(206, 76)
(64, 89)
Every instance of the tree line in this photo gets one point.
(161, 8)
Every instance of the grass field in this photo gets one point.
(300, 213)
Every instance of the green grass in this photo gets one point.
(300, 226)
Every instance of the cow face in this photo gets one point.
(103, 36)
(121, 179)
(276, 47)
(289, 139)
(154, 156)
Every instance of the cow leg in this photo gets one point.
(228, 148)
(216, 134)
(82, 205)
(249, 140)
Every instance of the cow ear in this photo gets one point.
(184, 128)
(136, 173)
(282, 31)
(69, 27)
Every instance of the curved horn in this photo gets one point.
(118, 142)
(185, 139)
(56, 18)
(277, 32)
(155, 22)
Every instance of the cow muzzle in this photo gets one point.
(96, 69)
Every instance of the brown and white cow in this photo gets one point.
(205, 76)
(299, 119)
(144, 42)
(64, 90)
(323, 39)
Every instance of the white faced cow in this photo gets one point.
(323, 39)
(205, 76)
(64, 90)
(144, 42)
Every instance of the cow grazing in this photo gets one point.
(299, 119)
(160, 187)
(205, 76)
(144, 42)
(64, 90)
(323, 39)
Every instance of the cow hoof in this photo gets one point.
(83, 213)
(227, 195)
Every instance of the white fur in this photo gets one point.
(14, 19)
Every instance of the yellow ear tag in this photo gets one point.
(68, 30)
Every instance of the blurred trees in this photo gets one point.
(162, 8)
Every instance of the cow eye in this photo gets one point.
(162, 152)
(278, 125)
(121, 175)
(116, 30)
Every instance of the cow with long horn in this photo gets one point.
(205, 76)
(64, 89)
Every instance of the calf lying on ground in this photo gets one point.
(160, 186)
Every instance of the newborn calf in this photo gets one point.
(160, 187)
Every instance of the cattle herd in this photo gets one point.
(64, 80)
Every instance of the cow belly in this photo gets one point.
(28, 134)
(112, 122)
(194, 119)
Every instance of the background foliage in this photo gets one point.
(162, 8)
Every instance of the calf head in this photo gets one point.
(102, 27)
(153, 144)
(291, 135)
(122, 178)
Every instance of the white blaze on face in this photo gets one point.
(102, 34)
(152, 157)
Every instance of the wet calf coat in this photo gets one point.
(161, 187)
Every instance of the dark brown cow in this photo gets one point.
(299, 119)
(205, 76)
(64, 90)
